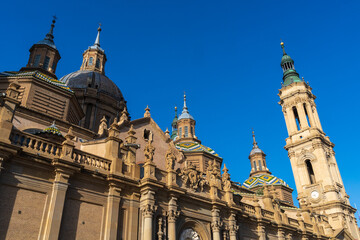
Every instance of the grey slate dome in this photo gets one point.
(83, 79)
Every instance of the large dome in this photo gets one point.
(83, 79)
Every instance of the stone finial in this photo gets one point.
(124, 116)
(103, 126)
(131, 131)
(167, 133)
(147, 112)
(70, 135)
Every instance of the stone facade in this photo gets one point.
(130, 180)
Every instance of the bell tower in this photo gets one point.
(94, 57)
(44, 55)
(317, 177)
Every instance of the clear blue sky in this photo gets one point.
(224, 54)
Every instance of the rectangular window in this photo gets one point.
(37, 60)
(186, 131)
(97, 63)
(180, 132)
(46, 63)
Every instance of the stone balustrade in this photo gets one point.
(91, 160)
(34, 143)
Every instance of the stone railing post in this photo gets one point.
(67, 147)
(7, 110)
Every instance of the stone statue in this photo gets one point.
(170, 160)
(149, 152)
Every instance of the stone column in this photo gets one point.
(112, 212)
(216, 223)
(148, 212)
(233, 228)
(56, 205)
(261, 232)
(172, 216)
(281, 234)
(302, 116)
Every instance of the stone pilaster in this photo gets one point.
(56, 205)
(112, 212)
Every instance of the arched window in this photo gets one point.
(260, 166)
(310, 171)
(91, 60)
(186, 131)
(97, 63)
(255, 165)
(180, 132)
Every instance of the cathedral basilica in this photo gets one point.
(74, 165)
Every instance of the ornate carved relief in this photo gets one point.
(192, 177)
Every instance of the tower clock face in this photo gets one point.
(189, 234)
(315, 194)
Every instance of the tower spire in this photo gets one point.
(283, 47)
(254, 141)
(185, 107)
(50, 34)
(97, 40)
(287, 64)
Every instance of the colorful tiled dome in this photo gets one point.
(52, 129)
(194, 147)
(263, 179)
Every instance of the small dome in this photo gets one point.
(256, 150)
(83, 79)
(185, 115)
(286, 58)
(47, 42)
(263, 179)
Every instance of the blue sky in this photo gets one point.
(224, 54)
